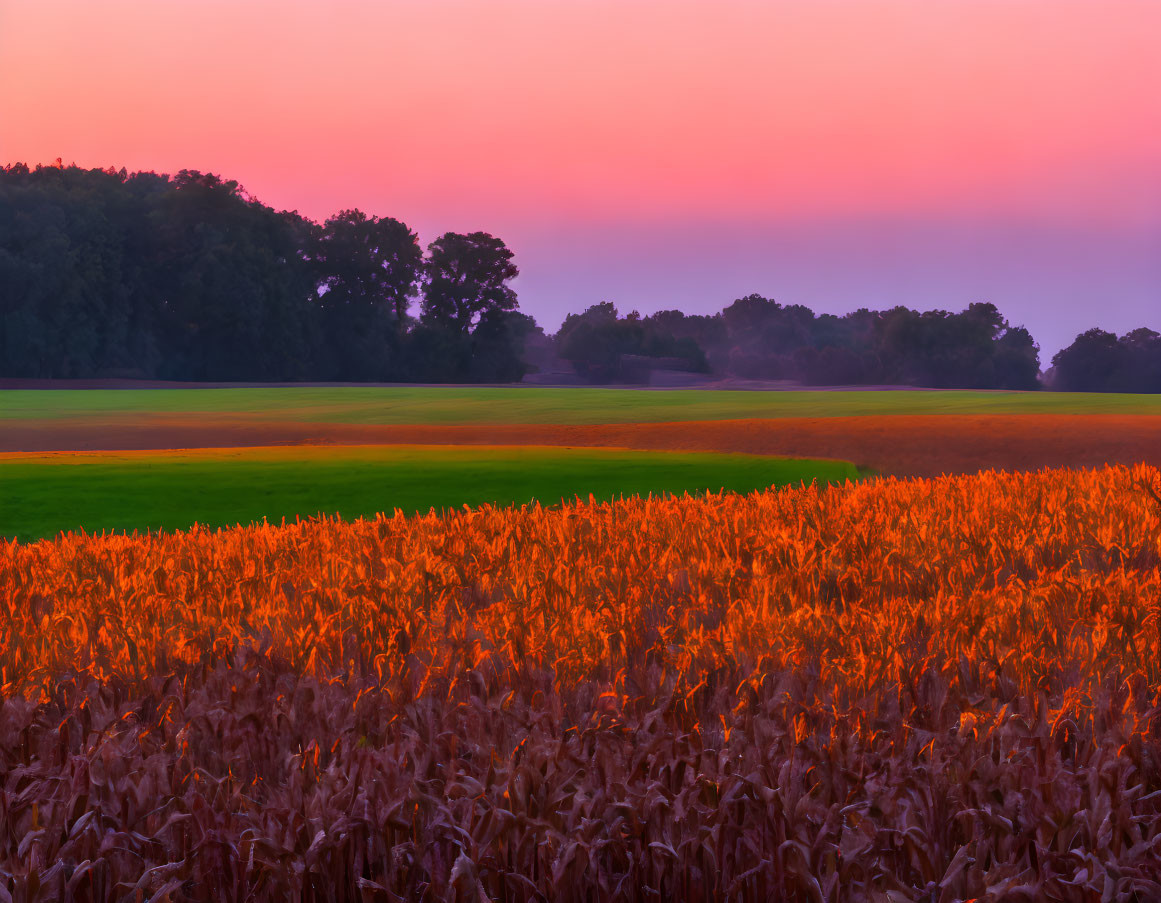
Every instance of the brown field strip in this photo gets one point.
(901, 445)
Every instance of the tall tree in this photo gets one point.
(1097, 361)
(232, 282)
(366, 260)
(66, 271)
(596, 342)
(605, 347)
(498, 346)
(368, 271)
(467, 277)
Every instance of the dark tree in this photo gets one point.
(107, 273)
(597, 341)
(1087, 364)
(467, 277)
(436, 354)
(604, 347)
(74, 260)
(758, 338)
(974, 349)
(103, 273)
(232, 284)
(1097, 361)
(368, 271)
(498, 346)
(763, 337)
(493, 352)
(1016, 360)
(1142, 363)
(365, 260)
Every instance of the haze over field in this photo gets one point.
(836, 154)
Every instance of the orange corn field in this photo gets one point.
(930, 690)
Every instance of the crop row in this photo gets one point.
(896, 690)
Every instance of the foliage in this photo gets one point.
(1098, 361)
(467, 279)
(758, 338)
(224, 275)
(899, 690)
(107, 274)
(603, 347)
(74, 298)
(368, 270)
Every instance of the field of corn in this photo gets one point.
(928, 690)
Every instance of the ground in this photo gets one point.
(905, 689)
(898, 433)
(48, 493)
(516, 404)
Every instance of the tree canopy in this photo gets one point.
(467, 278)
(759, 338)
(367, 271)
(188, 277)
(1098, 361)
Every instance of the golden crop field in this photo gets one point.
(937, 690)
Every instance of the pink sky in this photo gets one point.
(838, 153)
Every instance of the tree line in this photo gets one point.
(106, 273)
(758, 338)
(188, 277)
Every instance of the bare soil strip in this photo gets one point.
(902, 445)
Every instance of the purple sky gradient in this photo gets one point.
(1057, 281)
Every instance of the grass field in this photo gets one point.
(42, 495)
(440, 405)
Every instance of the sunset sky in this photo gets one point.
(835, 153)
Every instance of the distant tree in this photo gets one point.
(604, 347)
(706, 331)
(596, 342)
(751, 314)
(1141, 369)
(1087, 364)
(73, 301)
(368, 271)
(498, 346)
(1097, 361)
(106, 273)
(103, 272)
(232, 283)
(763, 337)
(365, 260)
(467, 277)
(976, 348)
(493, 352)
(1016, 359)
(703, 338)
(830, 366)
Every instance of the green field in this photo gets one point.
(42, 495)
(445, 405)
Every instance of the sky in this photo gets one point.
(833, 153)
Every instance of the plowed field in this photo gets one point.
(900, 445)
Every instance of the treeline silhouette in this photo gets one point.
(187, 277)
(109, 274)
(1098, 361)
(758, 338)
